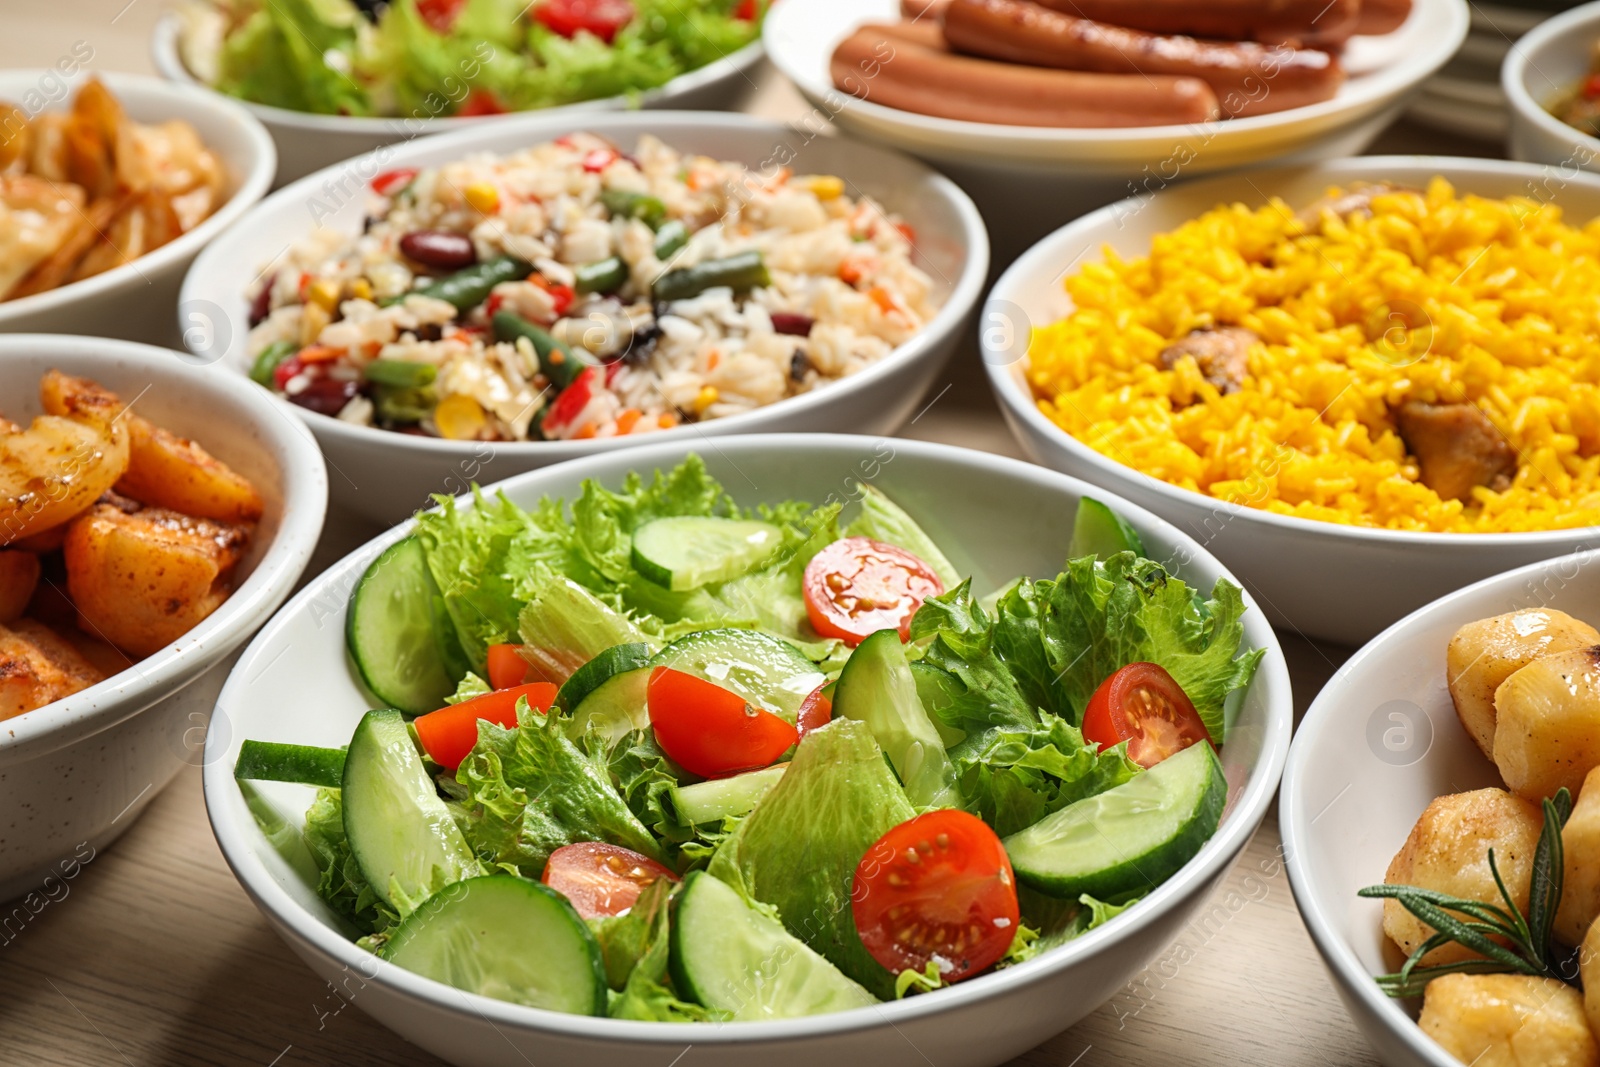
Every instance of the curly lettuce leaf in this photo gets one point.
(341, 883)
(278, 56)
(1013, 778)
(563, 625)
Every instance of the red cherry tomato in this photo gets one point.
(440, 15)
(857, 586)
(447, 735)
(816, 711)
(712, 731)
(481, 102)
(747, 10)
(603, 18)
(601, 879)
(507, 668)
(1142, 705)
(936, 885)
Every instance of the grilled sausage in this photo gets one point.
(1248, 78)
(1270, 21)
(1382, 16)
(877, 66)
(926, 10)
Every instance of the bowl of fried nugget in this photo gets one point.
(153, 515)
(109, 186)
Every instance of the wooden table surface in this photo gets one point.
(157, 957)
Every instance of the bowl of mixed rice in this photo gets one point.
(1362, 384)
(476, 305)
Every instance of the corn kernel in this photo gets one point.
(825, 186)
(459, 417)
(361, 289)
(705, 398)
(324, 292)
(483, 197)
(313, 317)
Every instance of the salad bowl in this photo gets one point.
(1377, 746)
(76, 773)
(386, 476)
(1363, 578)
(295, 684)
(309, 142)
(1546, 62)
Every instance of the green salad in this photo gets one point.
(418, 59)
(654, 755)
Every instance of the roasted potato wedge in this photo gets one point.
(19, 574)
(1508, 1020)
(142, 580)
(55, 469)
(1485, 653)
(1580, 840)
(166, 471)
(1448, 851)
(1547, 723)
(37, 667)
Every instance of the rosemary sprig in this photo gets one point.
(1475, 925)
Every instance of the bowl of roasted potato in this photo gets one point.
(152, 515)
(1441, 822)
(109, 186)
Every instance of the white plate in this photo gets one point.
(295, 684)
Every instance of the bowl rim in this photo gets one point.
(965, 290)
(1293, 814)
(305, 498)
(1016, 402)
(1514, 80)
(1370, 93)
(253, 181)
(1214, 859)
(168, 60)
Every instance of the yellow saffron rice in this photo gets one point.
(1433, 297)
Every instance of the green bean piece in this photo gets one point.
(670, 239)
(623, 204)
(401, 372)
(468, 288)
(602, 276)
(403, 405)
(558, 362)
(741, 273)
(267, 361)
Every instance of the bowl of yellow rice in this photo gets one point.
(1363, 384)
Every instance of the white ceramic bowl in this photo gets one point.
(1029, 180)
(135, 301)
(1542, 65)
(387, 476)
(78, 772)
(294, 683)
(1376, 747)
(1325, 580)
(308, 142)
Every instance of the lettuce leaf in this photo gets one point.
(634, 948)
(798, 850)
(277, 57)
(342, 885)
(1012, 778)
(563, 625)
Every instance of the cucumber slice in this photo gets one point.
(764, 670)
(876, 687)
(267, 761)
(730, 957)
(403, 838)
(938, 689)
(715, 800)
(690, 551)
(1099, 531)
(395, 634)
(508, 938)
(608, 693)
(1128, 839)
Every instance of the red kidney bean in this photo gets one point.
(791, 323)
(261, 306)
(326, 396)
(439, 248)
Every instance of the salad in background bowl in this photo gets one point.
(634, 719)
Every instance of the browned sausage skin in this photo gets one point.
(1270, 21)
(1382, 16)
(877, 66)
(1249, 78)
(923, 10)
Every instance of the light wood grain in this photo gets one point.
(156, 956)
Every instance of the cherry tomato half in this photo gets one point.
(480, 102)
(711, 731)
(440, 15)
(507, 668)
(857, 586)
(601, 879)
(1143, 705)
(447, 735)
(603, 18)
(816, 711)
(936, 885)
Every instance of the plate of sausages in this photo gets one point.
(1046, 79)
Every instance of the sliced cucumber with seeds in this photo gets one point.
(396, 635)
(504, 937)
(403, 837)
(730, 957)
(764, 670)
(1099, 531)
(690, 551)
(1128, 839)
(724, 797)
(607, 694)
